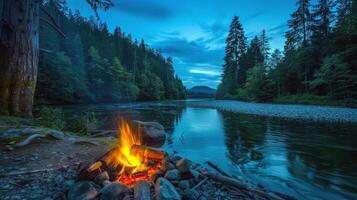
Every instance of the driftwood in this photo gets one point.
(228, 181)
(217, 169)
(29, 139)
(28, 172)
(200, 183)
(142, 191)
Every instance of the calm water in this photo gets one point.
(308, 160)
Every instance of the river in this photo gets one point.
(303, 158)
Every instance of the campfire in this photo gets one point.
(129, 161)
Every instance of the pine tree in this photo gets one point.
(323, 16)
(236, 46)
(300, 31)
(276, 58)
(300, 24)
(252, 57)
(264, 46)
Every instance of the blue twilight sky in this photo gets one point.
(193, 31)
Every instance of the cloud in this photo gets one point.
(255, 15)
(205, 72)
(146, 9)
(196, 51)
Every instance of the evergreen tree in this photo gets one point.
(264, 46)
(252, 57)
(236, 46)
(300, 24)
(323, 16)
(276, 59)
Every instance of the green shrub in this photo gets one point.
(307, 99)
(51, 118)
(82, 123)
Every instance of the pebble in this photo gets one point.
(173, 174)
(313, 112)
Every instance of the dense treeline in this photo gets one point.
(90, 64)
(319, 62)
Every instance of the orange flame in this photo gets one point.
(134, 167)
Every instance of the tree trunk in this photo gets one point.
(19, 47)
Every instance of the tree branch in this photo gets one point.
(50, 16)
(56, 28)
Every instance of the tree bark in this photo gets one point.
(19, 47)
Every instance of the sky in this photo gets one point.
(193, 32)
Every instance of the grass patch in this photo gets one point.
(308, 99)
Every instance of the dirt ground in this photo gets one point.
(42, 169)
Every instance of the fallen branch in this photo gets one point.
(28, 172)
(29, 139)
(200, 183)
(217, 169)
(228, 181)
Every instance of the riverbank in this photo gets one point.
(304, 112)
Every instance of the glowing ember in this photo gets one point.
(131, 158)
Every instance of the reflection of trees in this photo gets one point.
(321, 153)
(243, 133)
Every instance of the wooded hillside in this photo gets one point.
(91, 64)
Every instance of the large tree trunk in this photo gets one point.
(19, 47)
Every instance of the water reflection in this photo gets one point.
(304, 159)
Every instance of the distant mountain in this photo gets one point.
(201, 92)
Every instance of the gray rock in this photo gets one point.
(183, 165)
(164, 190)
(153, 133)
(83, 190)
(195, 173)
(173, 174)
(184, 184)
(175, 158)
(190, 194)
(66, 185)
(114, 191)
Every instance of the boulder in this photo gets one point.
(164, 190)
(173, 174)
(153, 133)
(114, 191)
(83, 190)
(183, 165)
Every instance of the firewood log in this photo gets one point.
(149, 153)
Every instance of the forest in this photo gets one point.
(92, 65)
(318, 65)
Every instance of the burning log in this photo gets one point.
(149, 153)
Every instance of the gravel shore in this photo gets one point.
(308, 112)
